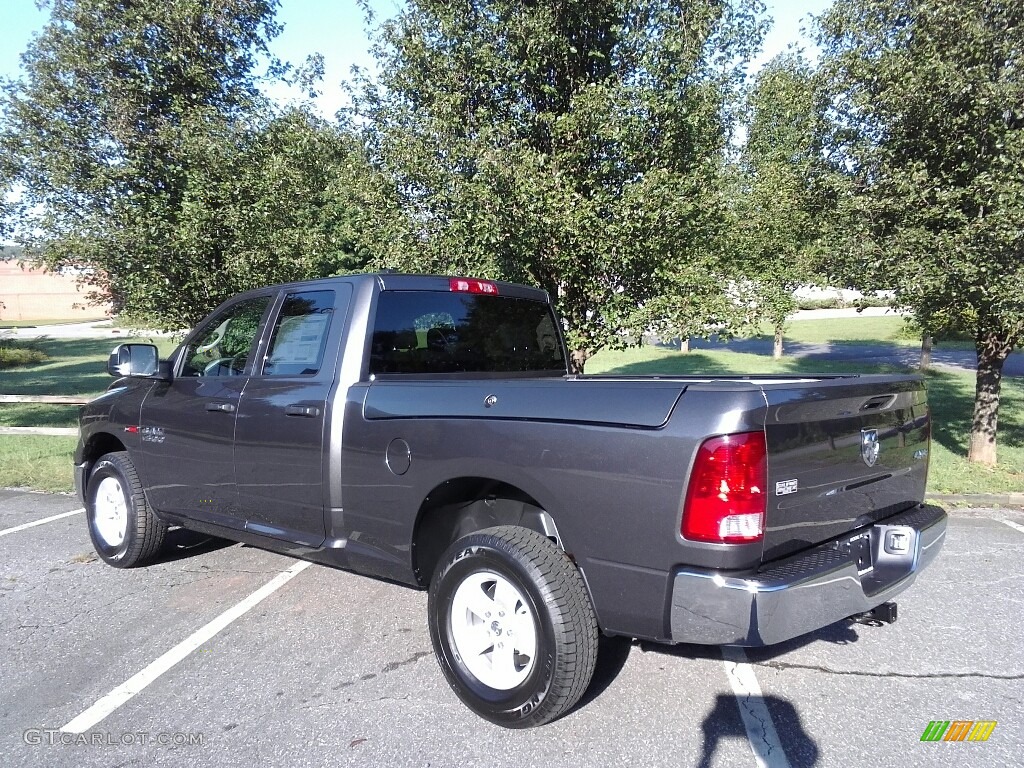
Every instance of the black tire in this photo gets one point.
(143, 531)
(566, 635)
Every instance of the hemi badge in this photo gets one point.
(785, 487)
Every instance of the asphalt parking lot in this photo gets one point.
(330, 668)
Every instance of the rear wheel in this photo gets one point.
(512, 626)
(125, 531)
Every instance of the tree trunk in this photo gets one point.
(777, 348)
(992, 351)
(926, 352)
(684, 344)
(577, 359)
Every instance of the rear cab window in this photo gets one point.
(438, 332)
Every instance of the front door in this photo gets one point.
(187, 425)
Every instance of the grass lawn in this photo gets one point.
(849, 330)
(888, 329)
(42, 462)
(951, 395)
(74, 367)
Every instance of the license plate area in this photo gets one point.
(859, 549)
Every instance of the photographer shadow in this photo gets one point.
(733, 717)
(727, 721)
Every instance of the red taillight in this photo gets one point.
(465, 285)
(725, 502)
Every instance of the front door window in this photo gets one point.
(224, 345)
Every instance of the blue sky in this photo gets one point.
(336, 29)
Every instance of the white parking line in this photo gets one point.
(1015, 526)
(138, 682)
(764, 740)
(34, 523)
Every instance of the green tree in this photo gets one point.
(140, 146)
(575, 144)
(119, 104)
(777, 216)
(925, 105)
(271, 203)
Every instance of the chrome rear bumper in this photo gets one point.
(813, 589)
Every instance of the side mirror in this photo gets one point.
(135, 360)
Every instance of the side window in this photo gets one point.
(300, 335)
(223, 346)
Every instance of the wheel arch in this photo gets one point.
(97, 446)
(463, 505)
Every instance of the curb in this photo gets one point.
(1014, 500)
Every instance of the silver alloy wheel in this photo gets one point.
(493, 630)
(111, 512)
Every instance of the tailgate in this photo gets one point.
(842, 454)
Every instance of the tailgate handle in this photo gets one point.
(301, 410)
(880, 403)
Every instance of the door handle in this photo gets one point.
(222, 407)
(301, 410)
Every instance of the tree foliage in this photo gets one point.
(925, 107)
(575, 144)
(139, 145)
(777, 204)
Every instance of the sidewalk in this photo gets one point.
(95, 329)
(986, 500)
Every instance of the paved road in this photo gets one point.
(335, 669)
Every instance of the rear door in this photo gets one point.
(280, 433)
(187, 425)
(842, 454)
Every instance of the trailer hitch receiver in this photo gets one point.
(877, 616)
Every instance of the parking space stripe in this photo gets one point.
(761, 733)
(106, 705)
(1015, 526)
(34, 523)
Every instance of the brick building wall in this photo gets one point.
(33, 294)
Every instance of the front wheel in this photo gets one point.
(512, 626)
(124, 530)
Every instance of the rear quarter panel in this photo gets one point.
(613, 490)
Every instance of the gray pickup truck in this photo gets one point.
(425, 430)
